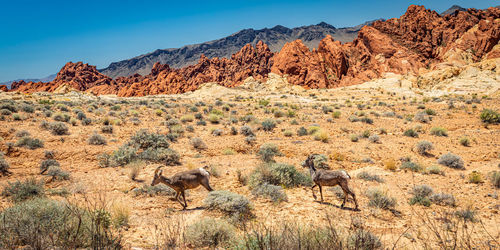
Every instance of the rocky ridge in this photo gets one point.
(418, 41)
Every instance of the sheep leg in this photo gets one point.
(321, 192)
(312, 189)
(345, 198)
(177, 194)
(184, 197)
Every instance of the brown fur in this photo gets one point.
(182, 181)
(323, 177)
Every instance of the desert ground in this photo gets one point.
(362, 129)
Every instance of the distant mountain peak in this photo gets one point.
(452, 10)
(325, 25)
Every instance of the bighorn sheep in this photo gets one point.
(323, 177)
(183, 181)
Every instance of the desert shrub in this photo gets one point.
(166, 156)
(370, 177)
(86, 121)
(278, 114)
(278, 174)
(30, 143)
(451, 160)
(415, 167)
(22, 133)
(209, 232)
(434, 170)
(302, 131)
(466, 214)
(234, 131)
(234, 205)
(423, 147)
(145, 140)
(58, 128)
(321, 136)
(198, 144)
(81, 116)
(288, 133)
(421, 195)
(272, 192)
(495, 178)
(268, 125)
(5, 112)
(320, 161)
(366, 134)
(9, 106)
(354, 138)
(336, 114)
(28, 108)
(380, 199)
(422, 117)
(46, 164)
(313, 129)
(217, 132)
(410, 133)
(107, 129)
(464, 141)
(439, 131)
(20, 191)
(489, 116)
(246, 131)
(363, 239)
(122, 156)
(475, 177)
(390, 164)
(57, 173)
(443, 199)
(430, 112)
(4, 166)
(213, 118)
(268, 151)
(187, 118)
(96, 139)
(250, 139)
(374, 138)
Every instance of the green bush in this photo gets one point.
(489, 116)
(423, 147)
(268, 125)
(97, 139)
(370, 177)
(443, 199)
(208, 232)
(4, 165)
(272, 192)
(21, 191)
(57, 173)
(145, 140)
(234, 205)
(198, 144)
(279, 174)
(451, 160)
(415, 167)
(302, 131)
(246, 131)
(30, 143)
(439, 131)
(410, 133)
(495, 178)
(58, 128)
(421, 194)
(268, 151)
(45, 164)
(363, 239)
(380, 199)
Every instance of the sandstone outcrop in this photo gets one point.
(419, 40)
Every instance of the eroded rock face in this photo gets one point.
(4, 88)
(420, 39)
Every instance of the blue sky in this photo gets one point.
(39, 37)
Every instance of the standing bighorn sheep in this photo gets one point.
(183, 181)
(323, 177)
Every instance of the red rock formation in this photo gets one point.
(418, 39)
(4, 88)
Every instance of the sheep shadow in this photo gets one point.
(337, 206)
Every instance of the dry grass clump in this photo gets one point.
(234, 205)
(209, 232)
(451, 160)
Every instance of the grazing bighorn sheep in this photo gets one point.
(323, 177)
(183, 181)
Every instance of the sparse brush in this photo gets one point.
(370, 177)
(268, 125)
(489, 116)
(415, 167)
(434, 170)
(410, 133)
(421, 195)
(475, 177)
(211, 233)
(321, 136)
(272, 192)
(464, 141)
(30, 143)
(20, 191)
(451, 160)
(380, 199)
(58, 128)
(439, 131)
(495, 178)
(423, 147)
(268, 151)
(234, 205)
(97, 139)
(443, 199)
(4, 166)
(135, 169)
(198, 144)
